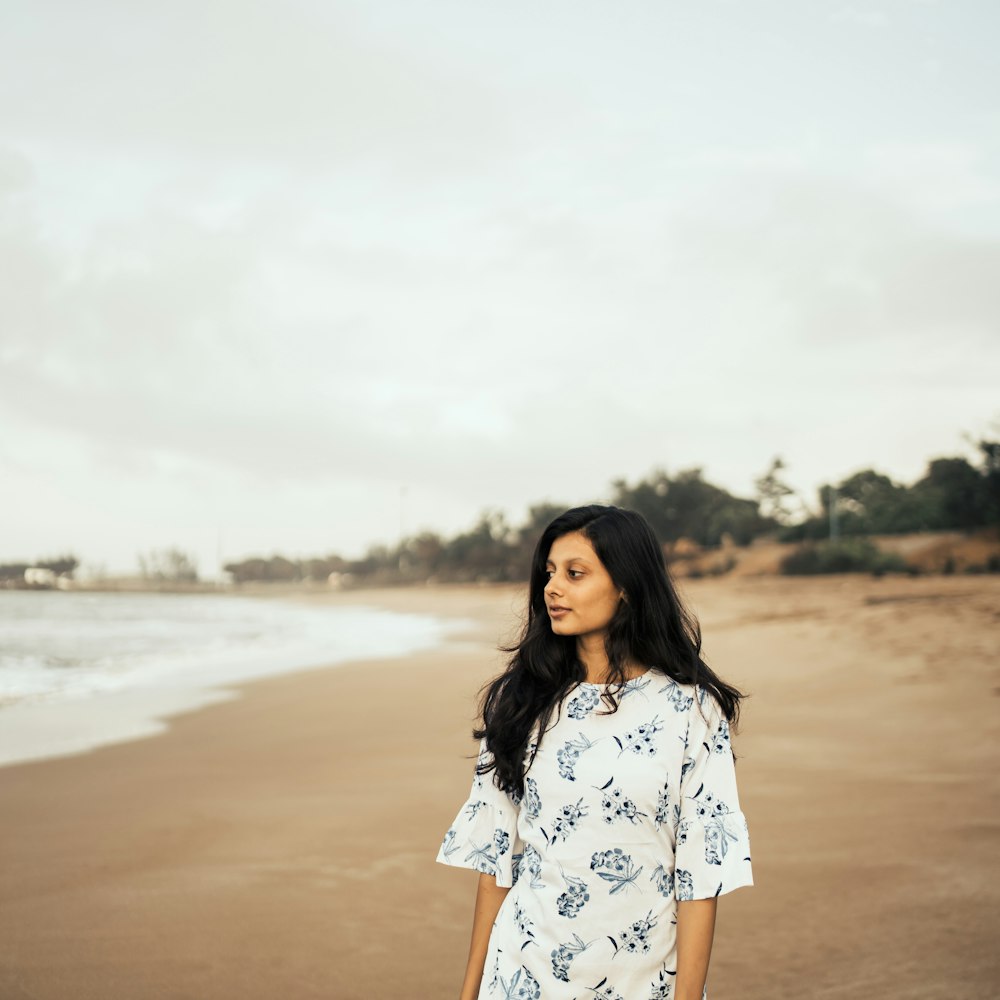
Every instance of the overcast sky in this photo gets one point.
(298, 276)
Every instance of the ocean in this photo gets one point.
(81, 670)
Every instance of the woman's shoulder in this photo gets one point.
(662, 682)
(680, 696)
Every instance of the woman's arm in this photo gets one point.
(695, 930)
(489, 896)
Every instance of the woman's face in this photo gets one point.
(580, 596)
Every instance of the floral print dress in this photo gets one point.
(623, 815)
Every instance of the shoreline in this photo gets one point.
(282, 842)
(144, 659)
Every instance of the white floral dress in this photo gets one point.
(623, 814)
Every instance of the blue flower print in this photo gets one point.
(501, 842)
(719, 824)
(704, 805)
(720, 741)
(682, 832)
(717, 839)
(567, 819)
(640, 739)
(635, 937)
(448, 845)
(584, 703)
(615, 806)
(524, 926)
(637, 685)
(564, 955)
(681, 702)
(685, 884)
(472, 809)
(522, 986)
(719, 832)
(482, 859)
(616, 867)
(496, 971)
(569, 754)
(531, 862)
(532, 800)
(515, 868)
(663, 880)
(571, 902)
(663, 988)
(604, 991)
(663, 813)
(526, 762)
(686, 766)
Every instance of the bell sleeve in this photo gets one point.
(483, 836)
(712, 851)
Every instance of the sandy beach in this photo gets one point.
(281, 844)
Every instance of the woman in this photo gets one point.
(603, 817)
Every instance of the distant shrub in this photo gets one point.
(992, 565)
(722, 567)
(846, 555)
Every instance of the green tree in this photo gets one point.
(687, 506)
(870, 503)
(483, 553)
(773, 493)
(956, 491)
(423, 555)
(524, 539)
(990, 468)
(65, 565)
(170, 565)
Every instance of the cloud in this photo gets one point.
(943, 178)
(863, 17)
(16, 172)
(297, 85)
(841, 263)
(330, 249)
(567, 344)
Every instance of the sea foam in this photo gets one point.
(81, 670)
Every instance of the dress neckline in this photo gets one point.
(628, 680)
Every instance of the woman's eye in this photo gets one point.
(574, 573)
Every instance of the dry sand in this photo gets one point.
(281, 845)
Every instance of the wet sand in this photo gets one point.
(282, 844)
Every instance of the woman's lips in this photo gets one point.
(555, 611)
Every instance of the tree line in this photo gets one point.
(953, 494)
(62, 566)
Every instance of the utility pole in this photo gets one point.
(402, 524)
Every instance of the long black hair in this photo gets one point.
(650, 627)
